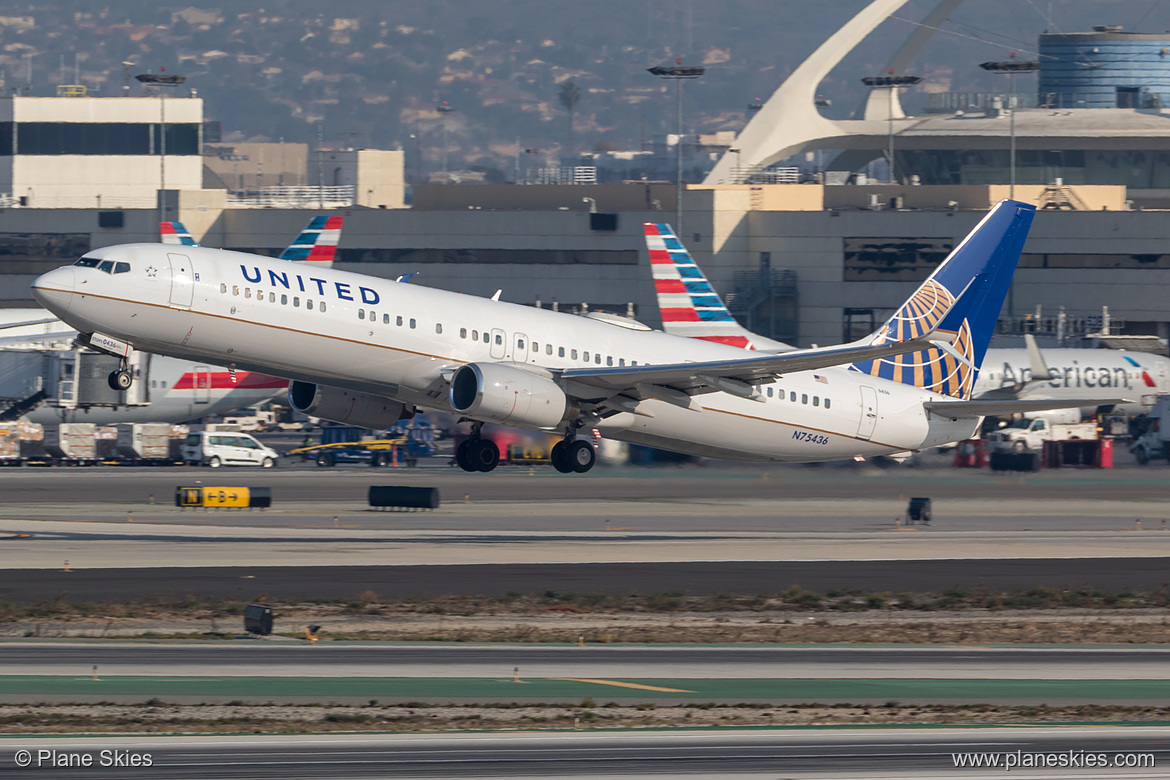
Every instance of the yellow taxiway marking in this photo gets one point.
(617, 684)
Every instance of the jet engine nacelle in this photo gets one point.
(504, 394)
(346, 406)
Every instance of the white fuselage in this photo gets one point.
(402, 341)
(1079, 373)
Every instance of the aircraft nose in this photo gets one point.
(54, 290)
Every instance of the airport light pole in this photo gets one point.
(677, 73)
(891, 82)
(160, 81)
(1011, 68)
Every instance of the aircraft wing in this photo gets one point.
(732, 376)
(984, 408)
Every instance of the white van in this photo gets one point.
(216, 448)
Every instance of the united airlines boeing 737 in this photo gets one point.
(370, 351)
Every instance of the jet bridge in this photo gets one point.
(66, 379)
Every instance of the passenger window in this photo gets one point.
(235, 289)
(272, 297)
(385, 319)
(463, 333)
(361, 314)
(804, 398)
(560, 351)
(499, 339)
(519, 343)
(309, 304)
(322, 305)
(621, 361)
(373, 316)
(163, 384)
(816, 400)
(296, 302)
(585, 356)
(573, 353)
(475, 335)
(222, 288)
(548, 349)
(412, 322)
(826, 403)
(398, 321)
(608, 360)
(769, 392)
(486, 337)
(596, 358)
(247, 292)
(792, 397)
(284, 300)
(438, 327)
(535, 347)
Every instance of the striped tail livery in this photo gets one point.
(317, 243)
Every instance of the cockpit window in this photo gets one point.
(121, 268)
(88, 262)
(107, 266)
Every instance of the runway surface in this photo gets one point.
(825, 754)
(296, 583)
(263, 659)
(743, 529)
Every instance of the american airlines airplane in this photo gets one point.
(370, 351)
(691, 307)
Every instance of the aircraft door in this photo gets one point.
(520, 347)
(182, 281)
(868, 412)
(202, 385)
(499, 345)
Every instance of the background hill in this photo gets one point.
(371, 72)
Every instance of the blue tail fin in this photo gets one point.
(971, 285)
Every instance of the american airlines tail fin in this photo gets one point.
(962, 298)
(175, 233)
(317, 243)
(688, 303)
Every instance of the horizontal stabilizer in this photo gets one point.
(1008, 407)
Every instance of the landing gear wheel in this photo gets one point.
(461, 456)
(484, 455)
(121, 379)
(581, 456)
(559, 458)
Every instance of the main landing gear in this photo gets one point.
(476, 453)
(573, 456)
(121, 379)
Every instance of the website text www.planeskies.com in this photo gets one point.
(1064, 759)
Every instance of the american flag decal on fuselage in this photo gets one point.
(688, 304)
(931, 369)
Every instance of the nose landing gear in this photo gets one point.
(121, 379)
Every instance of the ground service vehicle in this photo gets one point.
(1156, 441)
(218, 448)
(1023, 435)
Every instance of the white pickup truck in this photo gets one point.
(1023, 435)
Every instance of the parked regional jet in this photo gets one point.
(369, 351)
(691, 307)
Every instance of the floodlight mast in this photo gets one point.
(161, 80)
(891, 82)
(677, 73)
(1011, 68)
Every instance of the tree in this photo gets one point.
(570, 96)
